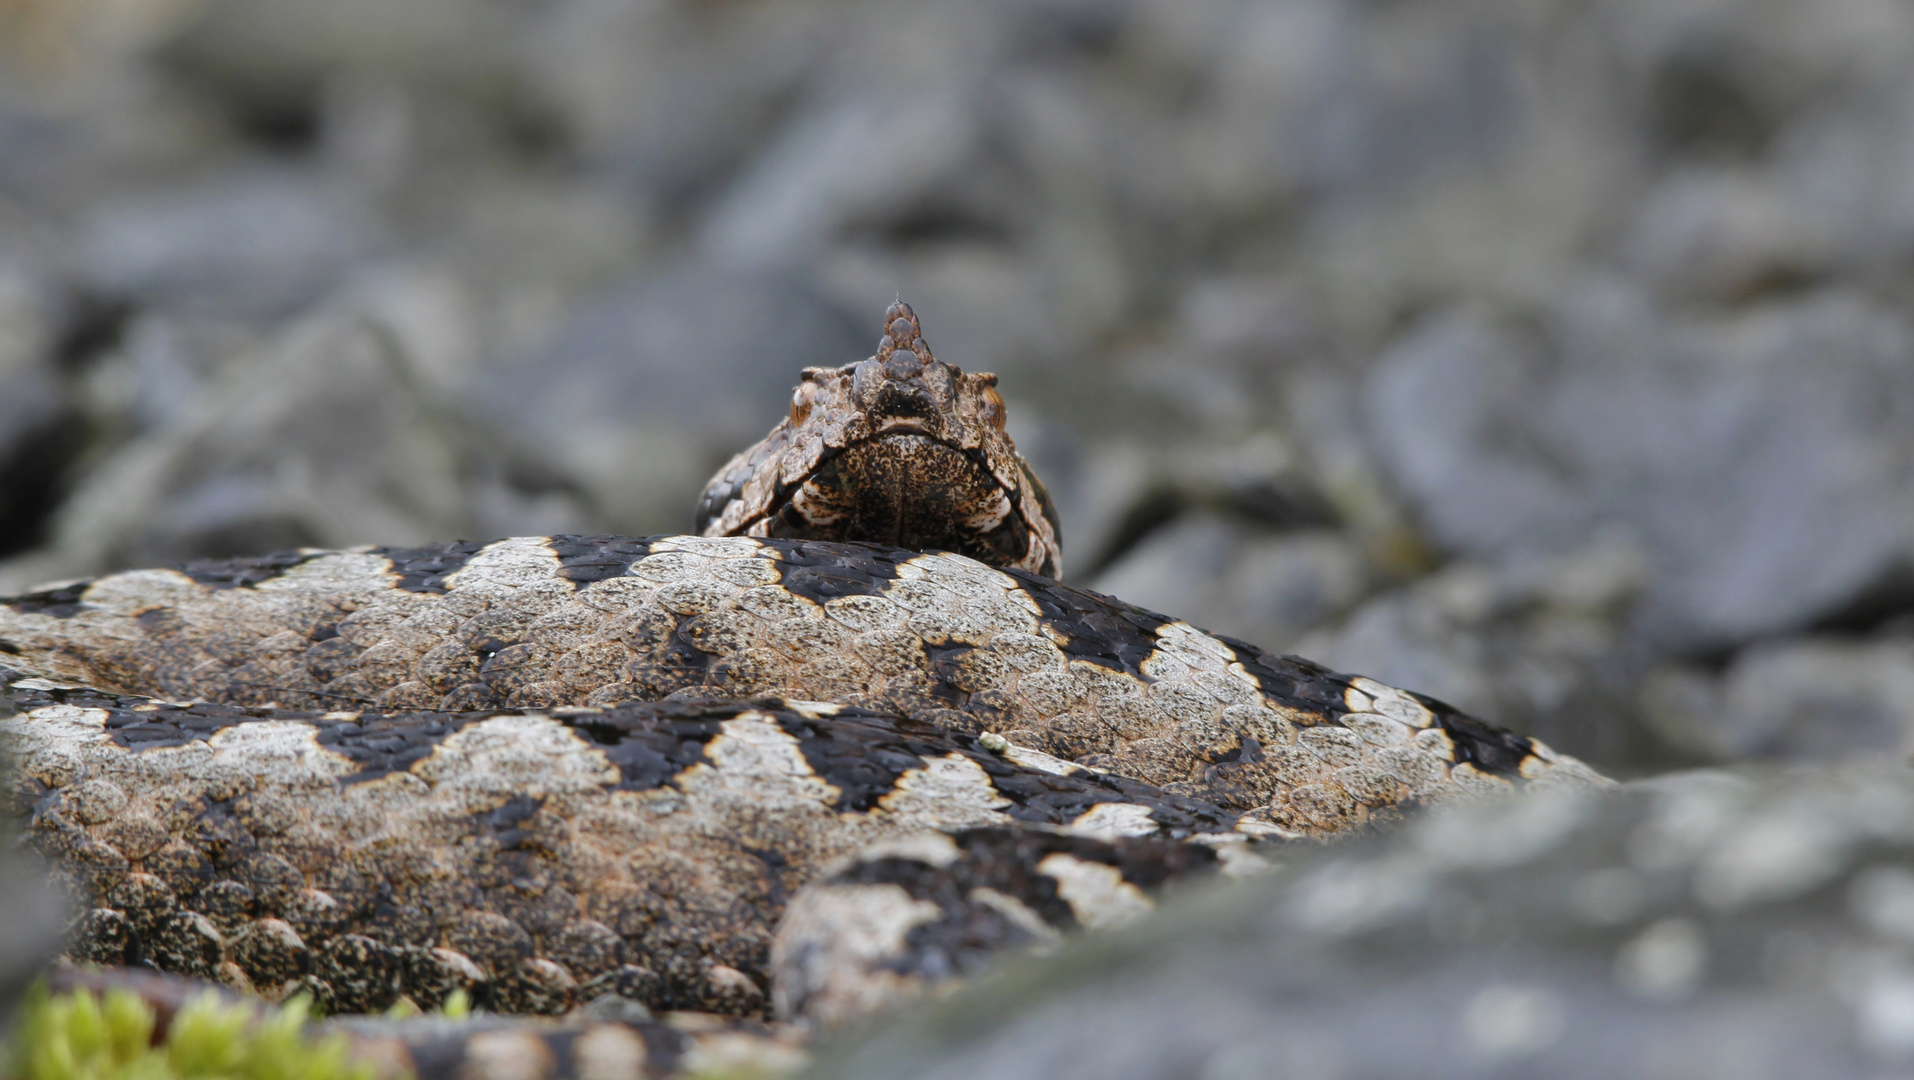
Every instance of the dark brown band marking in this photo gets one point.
(245, 573)
(1489, 749)
(822, 571)
(1291, 680)
(61, 603)
(585, 559)
(970, 933)
(424, 569)
(1098, 628)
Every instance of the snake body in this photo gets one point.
(539, 622)
(535, 859)
(735, 774)
(397, 677)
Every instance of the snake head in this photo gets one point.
(900, 448)
(903, 389)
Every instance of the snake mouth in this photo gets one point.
(900, 439)
(902, 430)
(896, 428)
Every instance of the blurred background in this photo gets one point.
(1552, 357)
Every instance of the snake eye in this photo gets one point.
(801, 399)
(994, 407)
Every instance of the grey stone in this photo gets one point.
(842, 161)
(251, 242)
(163, 364)
(672, 99)
(1541, 647)
(1759, 459)
(650, 389)
(1269, 588)
(1723, 235)
(1796, 699)
(30, 933)
(267, 59)
(1128, 461)
(40, 427)
(333, 435)
(1709, 925)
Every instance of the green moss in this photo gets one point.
(81, 1036)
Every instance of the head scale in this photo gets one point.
(900, 449)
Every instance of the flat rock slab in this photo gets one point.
(1704, 925)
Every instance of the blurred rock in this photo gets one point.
(265, 62)
(1267, 588)
(1294, 300)
(1799, 699)
(1705, 926)
(1723, 235)
(1760, 459)
(540, 246)
(672, 98)
(950, 153)
(1540, 647)
(1462, 150)
(850, 160)
(336, 434)
(40, 430)
(1144, 466)
(646, 392)
(30, 934)
(1221, 368)
(1833, 166)
(162, 365)
(255, 242)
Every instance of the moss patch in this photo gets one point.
(81, 1036)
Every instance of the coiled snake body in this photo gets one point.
(724, 773)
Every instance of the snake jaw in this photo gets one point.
(899, 448)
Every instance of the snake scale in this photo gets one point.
(849, 744)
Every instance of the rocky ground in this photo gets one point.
(1553, 357)
(1698, 927)
(1549, 356)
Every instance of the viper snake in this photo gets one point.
(848, 745)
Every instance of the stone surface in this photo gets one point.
(1810, 698)
(29, 933)
(258, 241)
(1758, 458)
(38, 424)
(335, 435)
(1494, 281)
(623, 399)
(1704, 925)
(1238, 581)
(1541, 647)
(1550, 358)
